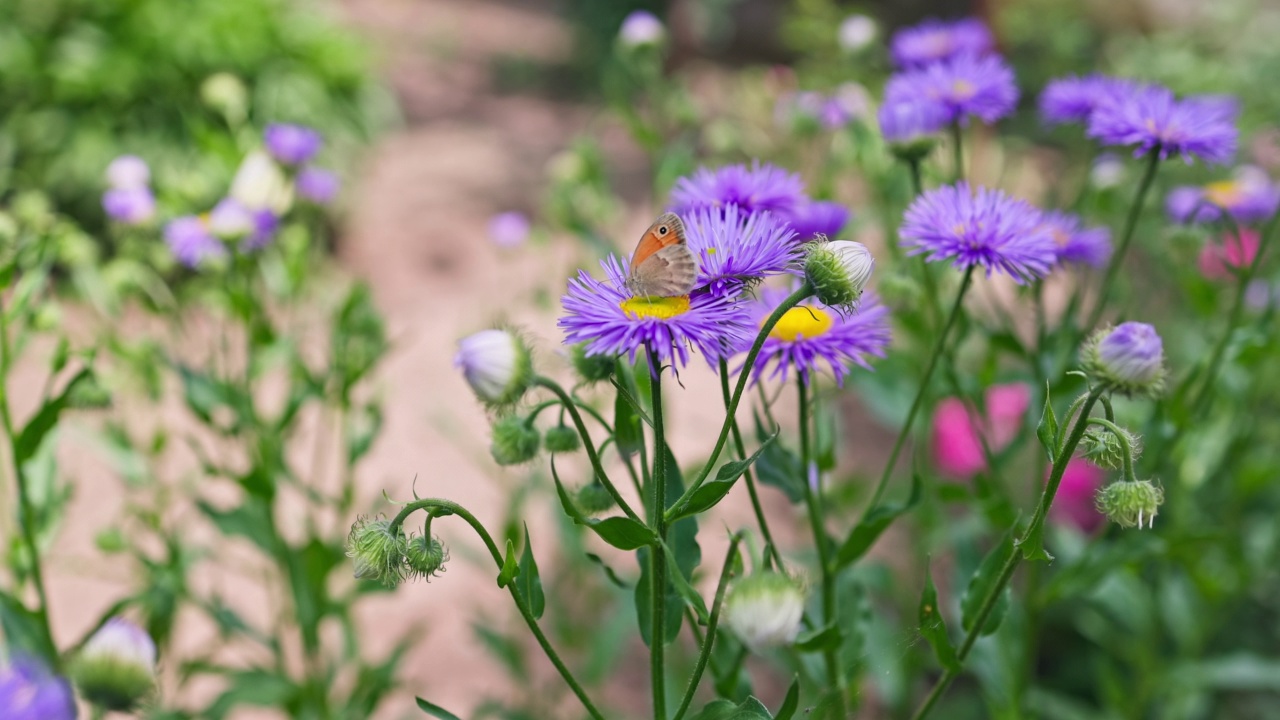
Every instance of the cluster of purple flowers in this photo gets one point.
(743, 224)
(831, 112)
(128, 198)
(1248, 197)
(295, 146)
(948, 73)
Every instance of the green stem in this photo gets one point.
(592, 455)
(452, 508)
(658, 559)
(1015, 556)
(704, 653)
(1124, 445)
(938, 348)
(1126, 236)
(957, 150)
(748, 476)
(813, 503)
(804, 291)
(26, 514)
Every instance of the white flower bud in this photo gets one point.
(765, 609)
(496, 364)
(116, 668)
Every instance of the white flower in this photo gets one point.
(764, 610)
(260, 184)
(856, 32)
(128, 172)
(496, 364)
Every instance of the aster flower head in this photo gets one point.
(966, 85)
(1128, 358)
(497, 365)
(813, 337)
(735, 249)
(760, 187)
(1154, 120)
(192, 242)
(1248, 197)
(28, 691)
(230, 219)
(131, 205)
(611, 320)
(911, 126)
(318, 185)
(818, 217)
(641, 28)
(1073, 99)
(935, 40)
(292, 144)
(1077, 244)
(116, 668)
(983, 228)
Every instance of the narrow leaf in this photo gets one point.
(711, 493)
(865, 533)
(982, 584)
(528, 581)
(1047, 430)
(436, 711)
(620, 532)
(509, 566)
(826, 637)
(933, 627)
(791, 702)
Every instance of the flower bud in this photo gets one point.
(515, 441)
(1129, 358)
(425, 557)
(562, 439)
(911, 128)
(377, 552)
(1101, 447)
(765, 609)
(116, 668)
(1131, 503)
(592, 368)
(641, 28)
(593, 499)
(856, 33)
(28, 691)
(497, 366)
(838, 271)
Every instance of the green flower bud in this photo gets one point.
(515, 441)
(838, 271)
(562, 439)
(1101, 447)
(593, 499)
(592, 368)
(377, 553)
(497, 366)
(116, 668)
(425, 557)
(765, 609)
(1131, 503)
(1129, 358)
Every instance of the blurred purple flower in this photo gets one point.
(191, 241)
(907, 122)
(641, 28)
(966, 85)
(128, 172)
(130, 205)
(508, 229)
(1249, 197)
(1078, 244)
(1073, 99)
(292, 144)
(761, 187)
(318, 185)
(818, 217)
(1154, 120)
(934, 40)
(28, 691)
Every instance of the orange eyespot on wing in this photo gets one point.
(666, 231)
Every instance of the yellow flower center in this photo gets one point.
(1224, 193)
(802, 322)
(662, 308)
(963, 89)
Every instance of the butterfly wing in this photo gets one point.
(662, 264)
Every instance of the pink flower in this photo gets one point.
(1234, 253)
(957, 446)
(1074, 504)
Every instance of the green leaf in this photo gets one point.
(620, 532)
(29, 439)
(683, 587)
(982, 584)
(528, 581)
(826, 431)
(250, 520)
(1047, 430)
(608, 571)
(932, 625)
(791, 702)
(865, 533)
(826, 637)
(1032, 546)
(627, 432)
(750, 709)
(435, 710)
(778, 466)
(509, 566)
(682, 545)
(710, 493)
(23, 630)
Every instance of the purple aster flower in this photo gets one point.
(611, 321)
(1129, 357)
(812, 335)
(508, 229)
(128, 172)
(641, 28)
(1073, 99)
(131, 206)
(986, 228)
(754, 189)
(907, 122)
(292, 144)
(965, 85)
(818, 217)
(265, 225)
(735, 248)
(318, 185)
(28, 691)
(935, 40)
(1154, 120)
(1249, 197)
(192, 242)
(1077, 244)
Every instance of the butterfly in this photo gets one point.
(663, 265)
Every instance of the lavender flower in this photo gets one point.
(318, 185)
(28, 691)
(1073, 99)
(231, 219)
(611, 321)
(1249, 197)
(1129, 358)
(292, 144)
(818, 217)
(761, 187)
(933, 40)
(966, 85)
(128, 172)
(735, 248)
(811, 337)
(191, 241)
(983, 228)
(508, 229)
(1078, 244)
(641, 28)
(130, 205)
(909, 126)
(1154, 120)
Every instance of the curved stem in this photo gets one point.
(1117, 257)
(748, 476)
(804, 291)
(938, 347)
(590, 447)
(1015, 556)
(658, 559)
(704, 653)
(452, 508)
(1124, 445)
